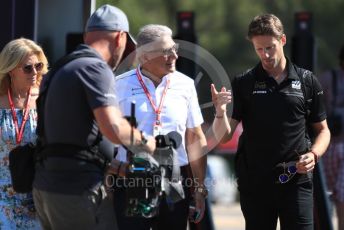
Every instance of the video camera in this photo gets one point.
(154, 176)
(151, 177)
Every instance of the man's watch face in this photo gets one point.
(203, 191)
(143, 139)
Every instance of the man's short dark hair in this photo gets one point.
(265, 25)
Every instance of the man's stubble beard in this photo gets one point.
(115, 60)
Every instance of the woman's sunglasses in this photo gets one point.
(28, 69)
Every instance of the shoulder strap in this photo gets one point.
(306, 81)
(40, 102)
(307, 88)
(334, 88)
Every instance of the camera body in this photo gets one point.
(143, 191)
(149, 177)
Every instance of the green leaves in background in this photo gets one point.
(221, 25)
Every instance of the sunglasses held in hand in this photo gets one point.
(289, 171)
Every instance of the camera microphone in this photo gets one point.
(172, 139)
(175, 138)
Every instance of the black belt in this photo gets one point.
(88, 154)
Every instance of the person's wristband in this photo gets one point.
(140, 142)
(143, 139)
(316, 156)
(220, 116)
(202, 190)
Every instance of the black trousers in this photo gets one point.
(168, 219)
(292, 203)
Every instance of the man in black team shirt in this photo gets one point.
(275, 157)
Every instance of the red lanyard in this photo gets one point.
(19, 132)
(156, 110)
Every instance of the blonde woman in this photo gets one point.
(22, 64)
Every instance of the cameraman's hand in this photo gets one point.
(145, 144)
(199, 208)
(150, 145)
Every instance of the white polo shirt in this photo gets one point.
(180, 109)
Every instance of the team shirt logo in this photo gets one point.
(260, 88)
(296, 84)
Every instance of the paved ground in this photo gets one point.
(229, 217)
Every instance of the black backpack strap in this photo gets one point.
(306, 80)
(307, 88)
(73, 151)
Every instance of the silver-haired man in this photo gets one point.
(166, 101)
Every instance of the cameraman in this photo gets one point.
(333, 84)
(166, 100)
(80, 106)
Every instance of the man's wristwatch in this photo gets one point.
(202, 190)
(143, 139)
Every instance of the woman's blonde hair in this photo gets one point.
(13, 54)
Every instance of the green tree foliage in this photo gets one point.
(221, 25)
